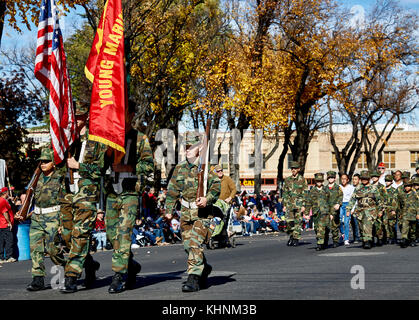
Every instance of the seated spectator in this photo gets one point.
(175, 228)
(272, 221)
(99, 232)
(163, 224)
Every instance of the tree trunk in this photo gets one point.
(282, 158)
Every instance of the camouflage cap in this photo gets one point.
(409, 183)
(81, 108)
(331, 174)
(218, 168)
(365, 174)
(375, 173)
(294, 165)
(319, 177)
(405, 175)
(192, 138)
(46, 154)
(388, 178)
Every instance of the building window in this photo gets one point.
(362, 161)
(389, 159)
(269, 181)
(334, 162)
(414, 159)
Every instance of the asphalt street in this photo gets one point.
(261, 267)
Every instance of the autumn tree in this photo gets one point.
(18, 109)
(387, 90)
(27, 12)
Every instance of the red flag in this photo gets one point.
(51, 70)
(105, 68)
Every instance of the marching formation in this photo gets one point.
(378, 208)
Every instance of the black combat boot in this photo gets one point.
(192, 284)
(90, 268)
(117, 284)
(203, 281)
(403, 243)
(70, 285)
(36, 284)
(367, 244)
(134, 268)
(295, 242)
(319, 247)
(290, 240)
(379, 243)
(335, 244)
(413, 243)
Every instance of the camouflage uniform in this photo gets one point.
(122, 200)
(379, 222)
(293, 200)
(195, 222)
(356, 212)
(318, 201)
(390, 203)
(45, 220)
(415, 187)
(335, 197)
(410, 211)
(368, 201)
(78, 206)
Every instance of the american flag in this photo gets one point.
(51, 70)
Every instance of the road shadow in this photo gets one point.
(149, 280)
(141, 280)
(219, 280)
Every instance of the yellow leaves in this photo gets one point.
(25, 9)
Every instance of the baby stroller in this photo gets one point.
(223, 235)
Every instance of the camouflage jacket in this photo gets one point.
(294, 192)
(184, 184)
(391, 200)
(48, 189)
(90, 170)
(318, 201)
(335, 196)
(409, 205)
(140, 159)
(367, 198)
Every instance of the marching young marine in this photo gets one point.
(45, 220)
(123, 187)
(196, 217)
(318, 201)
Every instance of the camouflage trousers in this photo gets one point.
(334, 227)
(367, 224)
(389, 224)
(195, 233)
(293, 217)
(43, 236)
(409, 230)
(358, 217)
(78, 220)
(379, 228)
(121, 211)
(321, 224)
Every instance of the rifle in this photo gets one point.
(203, 161)
(22, 214)
(8, 183)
